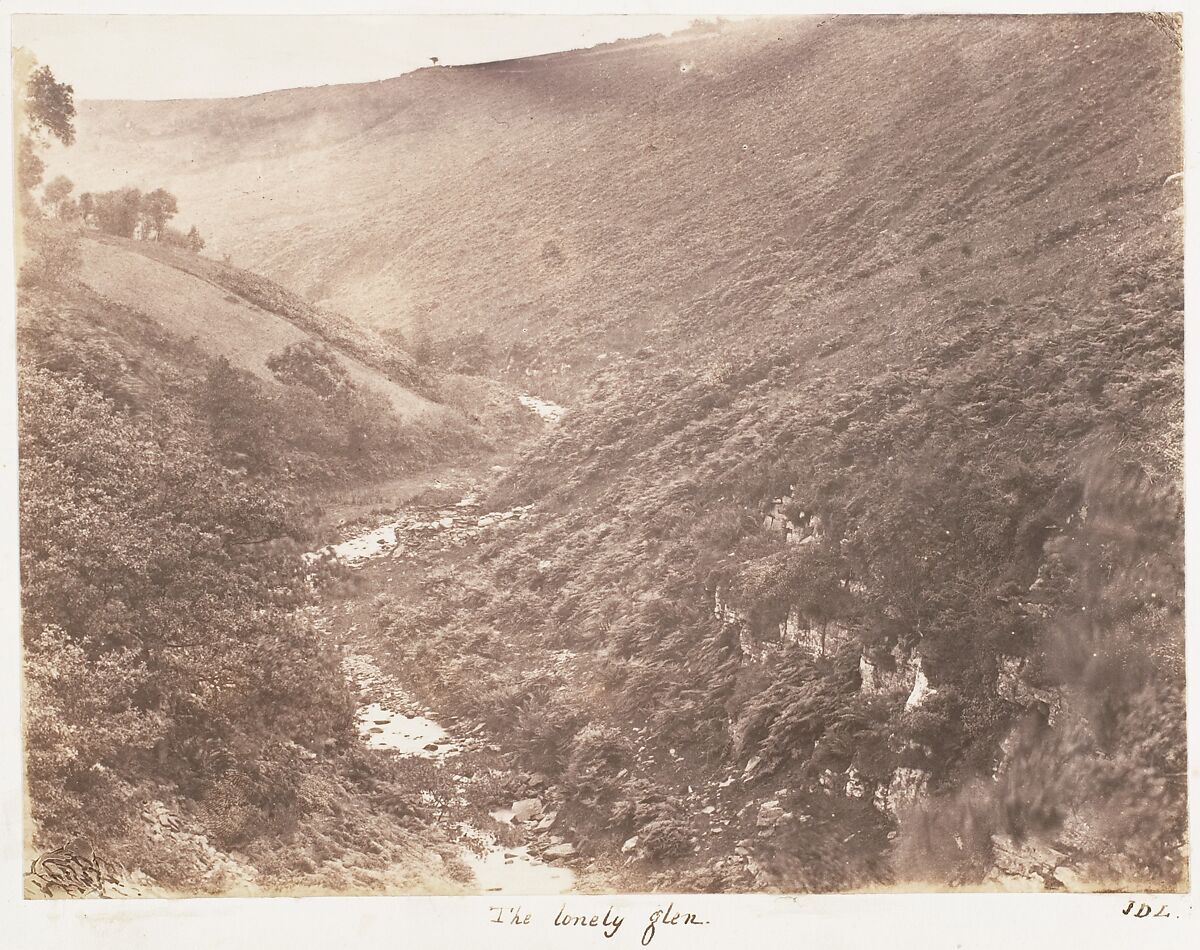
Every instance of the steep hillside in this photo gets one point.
(856, 559)
(592, 202)
(283, 387)
(245, 319)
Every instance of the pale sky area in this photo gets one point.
(172, 57)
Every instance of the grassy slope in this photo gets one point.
(173, 288)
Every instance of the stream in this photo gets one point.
(391, 721)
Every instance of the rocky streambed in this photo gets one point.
(391, 721)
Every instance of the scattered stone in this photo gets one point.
(564, 850)
(751, 766)
(527, 809)
(629, 845)
(769, 814)
(547, 821)
(709, 809)
(428, 747)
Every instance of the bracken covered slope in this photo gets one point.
(907, 291)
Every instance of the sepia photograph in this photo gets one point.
(597, 455)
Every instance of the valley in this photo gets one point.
(745, 460)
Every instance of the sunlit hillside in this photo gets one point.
(724, 185)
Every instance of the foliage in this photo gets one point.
(1113, 761)
(665, 838)
(56, 196)
(127, 212)
(144, 603)
(46, 111)
(165, 658)
(598, 754)
(55, 258)
(49, 106)
(313, 365)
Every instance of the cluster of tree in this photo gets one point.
(125, 212)
(47, 112)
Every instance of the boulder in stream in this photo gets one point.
(527, 809)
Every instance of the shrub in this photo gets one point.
(665, 838)
(598, 753)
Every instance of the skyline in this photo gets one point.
(151, 57)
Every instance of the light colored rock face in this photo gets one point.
(805, 529)
(817, 640)
(907, 786)
(877, 679)
(921, 690)
(856, 787)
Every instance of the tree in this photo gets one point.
(49, 107)
(47, 111)
(155, 210)
(87, 208)
(195, 243)
(119, 212)
(30, 166)
(56, 195)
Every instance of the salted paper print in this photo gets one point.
(557, 455)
